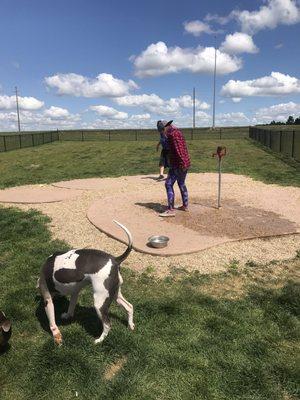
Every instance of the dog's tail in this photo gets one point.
(123, 256)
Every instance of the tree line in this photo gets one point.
(289, 121)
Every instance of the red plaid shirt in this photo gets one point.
(179, 156)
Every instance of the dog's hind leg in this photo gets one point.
(128, 307)
(102, 302)
(49, 309)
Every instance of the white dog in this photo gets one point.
(67, 273)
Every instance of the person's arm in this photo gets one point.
(157, 146)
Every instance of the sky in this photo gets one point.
(126, 64)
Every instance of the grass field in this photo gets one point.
(69, 160)
(230, 336)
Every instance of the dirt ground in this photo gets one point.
(248, 206)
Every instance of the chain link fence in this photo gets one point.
(12, 141)
(283, 141)
(152, 134)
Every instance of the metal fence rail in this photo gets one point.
(286, 142)
(20, 141)
(12, 141)
(151, 134)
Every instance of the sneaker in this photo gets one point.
(182, 208)
(167, 213)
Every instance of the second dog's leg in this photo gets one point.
(128, 307)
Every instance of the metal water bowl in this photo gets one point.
(158, 241)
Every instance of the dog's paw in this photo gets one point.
(65, 316)
(131, 326)
(58, 339)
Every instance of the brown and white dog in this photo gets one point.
(67, 273)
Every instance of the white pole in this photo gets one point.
(214, 96)
(194, 102)
(219, 188)
(18, 113)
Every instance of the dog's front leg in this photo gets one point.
(73, 300)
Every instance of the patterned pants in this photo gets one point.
(179, 176)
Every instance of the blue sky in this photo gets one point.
(96, 64)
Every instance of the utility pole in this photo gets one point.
(214, 96)
(18, 113)
(194, 102)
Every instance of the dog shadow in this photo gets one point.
(157, 207)
(4, 349)
(86, 317)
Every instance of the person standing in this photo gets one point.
(179, 161)
(163, 160)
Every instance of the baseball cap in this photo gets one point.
(162, 124)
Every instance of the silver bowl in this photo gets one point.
(158, 241)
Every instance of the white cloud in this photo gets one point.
(278, 46)
(238, 42)
(38, 120)
(269, 16)
(236, 99)
(140, 117)
(158, 59)
(155, 104)
(104, 85)
(276, 84)
(197, 27)
(234, 118)
(56, 112)
(277, 112)
(109, 112)
(25, 103)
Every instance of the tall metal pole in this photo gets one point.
(194, 102)
(18, 113)
(214, 99)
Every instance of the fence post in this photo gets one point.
(20, 141)
(43, 137)
(51, 137)
(136, 137)
(82, 137)
(58, 137)
(32, 139)
(109, 136)
(220, 133)
(192, 134)
(280, 139)
(293, 145)
(4, 143)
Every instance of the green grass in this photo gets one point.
(70, 160)
(188, 343)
